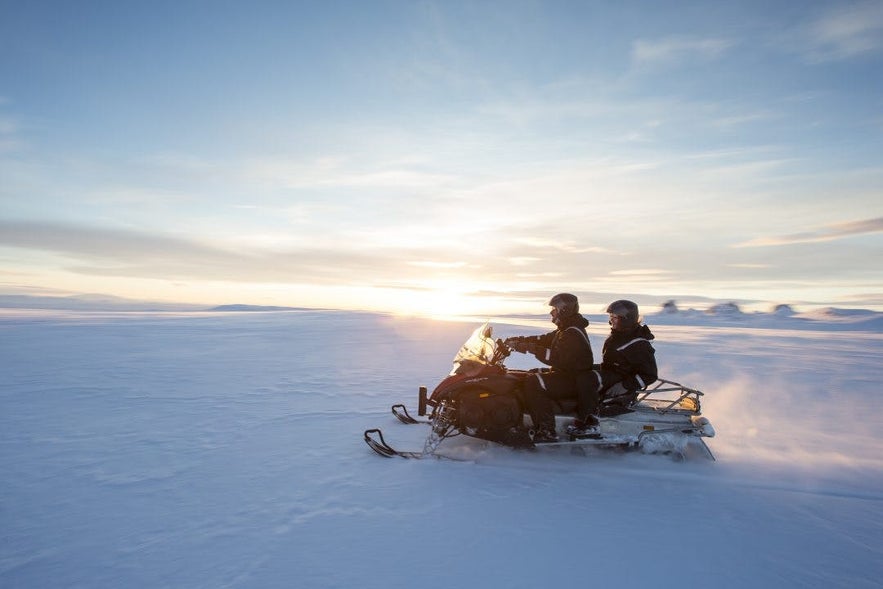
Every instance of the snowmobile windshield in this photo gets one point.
(478, 351)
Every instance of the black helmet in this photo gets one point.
(625, 309)
(566, 303)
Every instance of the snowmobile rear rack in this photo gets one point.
(686, 402)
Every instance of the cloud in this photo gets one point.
(524, 260)
(846, 32)
(745, 118)
(545, 108)
(93, 251)
(646, 272)
(338, 172)
(552, 244)
(10, 140)
(750, 266)
(7, 126)
(437, 265)
(821, 234)
(678, 49)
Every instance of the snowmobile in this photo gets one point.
(481, 398)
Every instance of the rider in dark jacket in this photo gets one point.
(628, 358)
(569, 353)
(628, 365)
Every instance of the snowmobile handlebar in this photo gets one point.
(501, 351)
(522, 344)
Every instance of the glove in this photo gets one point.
(524, 344)
(517, 343)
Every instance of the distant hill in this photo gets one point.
(241, 308)
(781, 317)
(89, 302)
(98, 302)
(727, 314)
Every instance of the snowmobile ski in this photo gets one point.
(380, 446)
(401, 413)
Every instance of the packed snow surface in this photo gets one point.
(212, 450)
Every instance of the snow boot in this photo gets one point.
(545, 435)
(585, 428)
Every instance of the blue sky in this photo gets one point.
(452, 156)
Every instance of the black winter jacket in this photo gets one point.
(631, 356)
(567, 348)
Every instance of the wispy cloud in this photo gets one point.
(821, 234)
(678, 49)
(524, 260)
(331, 172)
(750, 266)
(744, 118)
(846, 32)
(544, 108)
(95, 251)
(10, 140)
(641, 272)
(436, 264)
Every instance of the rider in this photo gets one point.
(568, 351)
(628, 359)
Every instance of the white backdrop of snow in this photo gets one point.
(224, 450)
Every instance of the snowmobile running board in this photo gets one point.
(374, 439)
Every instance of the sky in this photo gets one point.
(444, 156)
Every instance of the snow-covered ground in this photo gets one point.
(225, 450)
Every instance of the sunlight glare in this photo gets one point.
(440, 302)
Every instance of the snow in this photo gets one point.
(161, 449)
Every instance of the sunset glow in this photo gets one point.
(443, 157)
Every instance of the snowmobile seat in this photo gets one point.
(610, 406)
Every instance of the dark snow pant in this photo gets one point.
(543, 387)
(613, 392)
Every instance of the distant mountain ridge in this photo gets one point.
(241, 308)
(89, 302)
(99, 302)
(726, 314)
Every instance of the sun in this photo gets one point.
(443, 299)
(440, 302)
(456, 300)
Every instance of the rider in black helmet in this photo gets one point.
(568, 351)
(628, 358)
(563, 306)
(626, 311)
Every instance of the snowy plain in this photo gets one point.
(211, 450)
